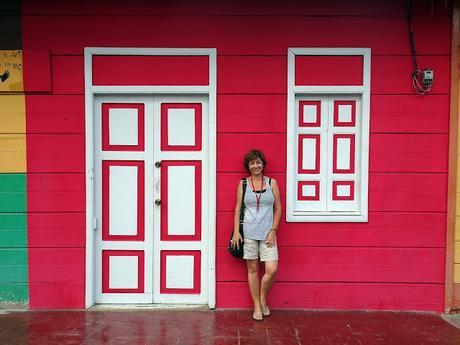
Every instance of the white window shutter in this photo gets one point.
(311, 154)
(344, 154)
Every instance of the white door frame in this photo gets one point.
(91, 91)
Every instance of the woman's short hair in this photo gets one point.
(253, 155)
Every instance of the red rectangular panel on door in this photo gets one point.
(131, 273)
(181, 139)
(116, 135)
(140, 212)
(170, 230)
(192, 258)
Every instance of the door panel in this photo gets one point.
(182, 245)
(124, 198)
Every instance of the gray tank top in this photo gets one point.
(257, 223)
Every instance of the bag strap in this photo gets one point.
(242, 202)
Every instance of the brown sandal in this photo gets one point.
(259, 316)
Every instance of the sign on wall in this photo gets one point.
(11, 71)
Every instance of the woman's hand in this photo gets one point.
(236, 239)
(271, 238)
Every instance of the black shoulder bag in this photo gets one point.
(238, 252)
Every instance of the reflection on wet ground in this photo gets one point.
(224, 327)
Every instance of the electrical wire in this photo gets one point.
(411, 32)
(420, 88)
(417, 82)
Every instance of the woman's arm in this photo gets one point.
(236, 217)
(276, 205)
(271, 238)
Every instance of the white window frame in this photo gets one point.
(294, 91)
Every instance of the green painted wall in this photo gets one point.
(13, 239)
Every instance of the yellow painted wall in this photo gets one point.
(457, 239)
(457, 273)
(457, 226)
(12, 103)
(12, 153)
(12, 113)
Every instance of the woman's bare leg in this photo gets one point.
(253, 281)
(267, 280)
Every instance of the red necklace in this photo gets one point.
(258, 195)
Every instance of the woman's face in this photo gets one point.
(256, 166)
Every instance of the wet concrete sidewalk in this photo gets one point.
(224, 327)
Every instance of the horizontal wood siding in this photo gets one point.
(50, 153)
(421, 192)
(267, 74)
(395, 261)
(227, 7)
(385, 229)
(56, 277)
(340, 295)
(348, 264)
(66, 116)
(13, 219)
(236, 35)
(13, 239)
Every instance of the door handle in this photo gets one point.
(158, 164)
(157, 202)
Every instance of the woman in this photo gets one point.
(262, 215)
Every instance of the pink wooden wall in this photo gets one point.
(395, 261)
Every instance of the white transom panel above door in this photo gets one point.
(181, 244)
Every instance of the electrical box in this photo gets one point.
(427, 76)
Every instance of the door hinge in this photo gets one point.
(94, 223)
(91, 173)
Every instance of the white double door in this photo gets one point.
(150, 187)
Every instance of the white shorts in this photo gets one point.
(255, 248)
